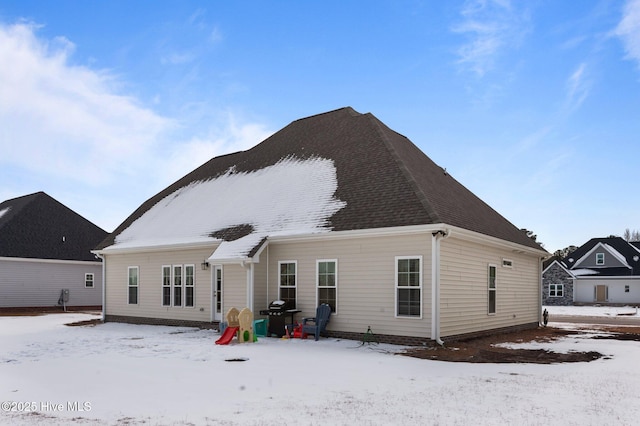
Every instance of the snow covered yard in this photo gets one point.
(135, 374)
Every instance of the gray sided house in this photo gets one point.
(334, 208)
(45, 248)
(601, 271)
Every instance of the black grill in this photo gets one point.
(277, 312)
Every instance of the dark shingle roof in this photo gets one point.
(628, 250)
(385, 180)
(39, 227)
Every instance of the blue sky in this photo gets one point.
(534, 106)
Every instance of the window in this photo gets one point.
(288, 280)
(189, 285)
(166, 286)
(133, 285)
(409, 286)
(88, 280)
(507, 263)
(626, 288)
(327, 282)
(599, 258)
(492, 290)
(556, 290)
(177, 285)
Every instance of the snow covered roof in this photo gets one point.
(336, 171)
(289, 198)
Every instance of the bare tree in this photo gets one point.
(631, 236)
(562, 253)
(531, 235)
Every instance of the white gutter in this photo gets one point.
(436, 237)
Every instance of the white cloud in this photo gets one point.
(578, 88)
(492, 26)
(69, 130)
(629, 30)
(64, 119)
(232, 136)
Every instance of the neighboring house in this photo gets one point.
(45, 248)
(603, 270)
(335, 208)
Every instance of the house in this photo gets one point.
(334, 208)
(45, 248)
(603, 270)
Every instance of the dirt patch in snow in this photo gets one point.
(485, 349)
(89, 323)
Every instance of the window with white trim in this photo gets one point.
(88, 280)
(189, 285)
(327, 282)
(288, 271)
(491, 290)
(507, 263)
(409, 286)
(177, 285)
(133, 283)
(626, 288)
(599, 258)
(166, 285)
(556, 290)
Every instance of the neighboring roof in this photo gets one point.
(338, 171)
(626, 254)
(554, 264)
(37, 226)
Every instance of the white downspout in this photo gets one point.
(436, 237)
(249, 268)
(104, 285)
(267, 301)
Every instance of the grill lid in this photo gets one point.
(281, 305)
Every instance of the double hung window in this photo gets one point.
(327, 283)
(409, 286)
(492, 289)
(133, 275)
(288, 280)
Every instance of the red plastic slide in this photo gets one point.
(227, 336)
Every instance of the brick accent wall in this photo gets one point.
(557, 275)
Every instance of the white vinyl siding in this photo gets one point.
(409, 286)
(38, 282)
(366, 280)
(327, 283)
(133, 281)
(464, 287)
(150, 298)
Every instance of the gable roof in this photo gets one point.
(554, 264)
(626, 255)
(364, 174)
(39, 227)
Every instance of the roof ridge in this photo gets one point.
(422, 197)
(348, 109)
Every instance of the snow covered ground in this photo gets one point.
(135, 374)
